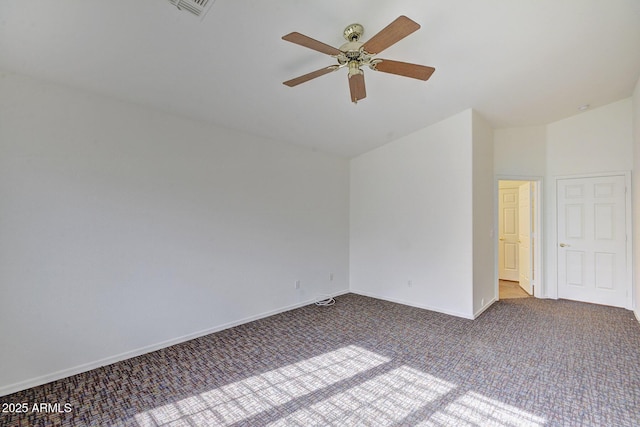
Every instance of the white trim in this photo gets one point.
(629, 238)
(539, 289)
(44, 379)
(413, 304)
(628, 228)
(592, 175)
(637, 314)
(486, 306)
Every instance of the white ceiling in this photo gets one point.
(517, 62)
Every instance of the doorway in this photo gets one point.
(518, 240)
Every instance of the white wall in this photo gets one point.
(484, 261)
(636, 196)
(599, 140)
(520, 152)
(411, 219)
(125, 229)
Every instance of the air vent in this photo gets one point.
(197, 7)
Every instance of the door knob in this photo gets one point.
(502, 238)
(563, 245)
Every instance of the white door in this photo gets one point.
(508, 235)
(592, 240)
(524, 237)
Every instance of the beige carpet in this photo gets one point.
(509, 289)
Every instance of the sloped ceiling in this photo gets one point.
(518, 63)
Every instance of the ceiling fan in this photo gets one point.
(355, 54)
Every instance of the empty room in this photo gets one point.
(231, 213)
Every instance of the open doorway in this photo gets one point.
(518, 239)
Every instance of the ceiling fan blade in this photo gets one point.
(415, 71)
(391, 34)
(314, 44)
(356, 87)
(311, 75)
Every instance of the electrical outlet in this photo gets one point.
(297, 284)
(409, 284)
(331, 277)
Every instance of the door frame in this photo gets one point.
(526, 272)
(537, 237)
(628, 229)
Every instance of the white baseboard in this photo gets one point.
(637, 314)
(412, 304)
(484, 308)
(64, 373)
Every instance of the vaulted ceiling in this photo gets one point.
(519, 63)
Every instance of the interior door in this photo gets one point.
(592, 257)
(524, 237)
(508, 235)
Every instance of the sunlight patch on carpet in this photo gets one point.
(382, 398)
(240, 400)
(382, 401)
(473, 409)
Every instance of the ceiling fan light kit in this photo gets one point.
(355, 54)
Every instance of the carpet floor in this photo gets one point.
(367, 362)
(509, 289)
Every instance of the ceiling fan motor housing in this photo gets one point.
(350, 51)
